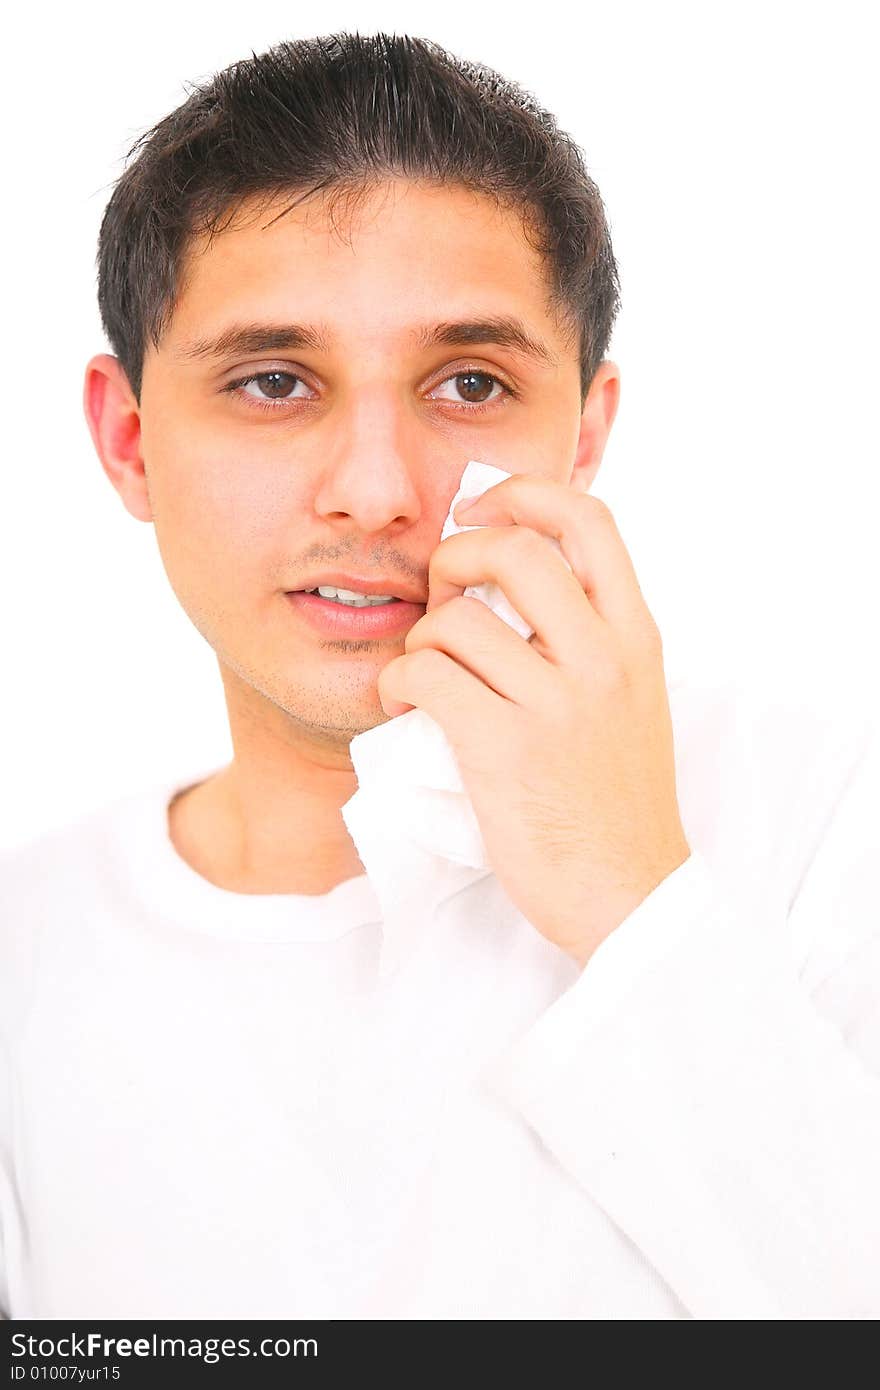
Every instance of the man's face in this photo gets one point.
(345, 457)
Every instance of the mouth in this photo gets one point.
(356, 616)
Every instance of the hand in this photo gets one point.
(564, 743)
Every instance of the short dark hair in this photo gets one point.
(335, 115)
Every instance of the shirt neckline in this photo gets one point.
(184, 896)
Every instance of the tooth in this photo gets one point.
(350, 599)
(350, 595)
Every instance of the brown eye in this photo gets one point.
(275, 385)
(268, 390)
(474, 388)
(477, 386)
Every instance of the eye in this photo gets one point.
(273, 386)
(474, 389)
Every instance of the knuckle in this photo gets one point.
(467, 607)
(530, 544)
(429, 665)
(596, 509)
(648, 638)
(608, 673)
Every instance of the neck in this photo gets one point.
(271, 821)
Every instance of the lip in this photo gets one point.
(338, 620)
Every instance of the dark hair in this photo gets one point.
(334, 115)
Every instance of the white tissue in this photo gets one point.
(411, 819)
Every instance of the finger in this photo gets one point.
(586, 531)
(432, 681)
(531, 575)
(484, 644)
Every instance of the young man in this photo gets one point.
(631, 1072)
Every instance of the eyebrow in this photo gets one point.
(242, 339)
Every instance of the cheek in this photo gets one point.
(220, 523)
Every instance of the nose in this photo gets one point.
(371, 477)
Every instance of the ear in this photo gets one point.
(598, 415)
(114, 421)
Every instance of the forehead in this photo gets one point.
(397, 251)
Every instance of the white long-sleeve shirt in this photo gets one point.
(212, 1108)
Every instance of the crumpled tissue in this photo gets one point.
(411, 818)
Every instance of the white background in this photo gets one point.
(736, 150)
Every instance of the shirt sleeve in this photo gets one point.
(712, 1078)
